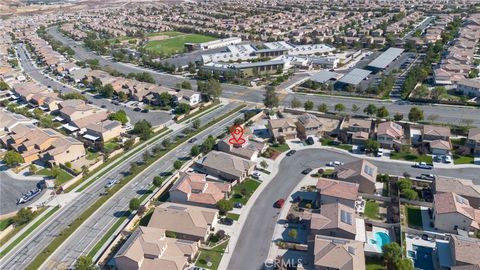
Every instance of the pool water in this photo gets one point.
(380, 239)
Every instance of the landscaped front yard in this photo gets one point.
(210, 259)
(61, 178)
(374, 264)
(458, 159)
(330, 142)
(410, 157)
(280, 147)
(243, 191)
(371, 210)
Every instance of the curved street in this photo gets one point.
(254, 241)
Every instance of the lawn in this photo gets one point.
(414, 216)
(91, 155)
(330, 142)
(169, 34)
(175, 44)
(4, 223)
(249, 186)
(280, 147)
(374, 264)
(110, 146)
(233, 216)
(371, 210)
(457, 159)
(213, 255)
(411, 157)
(62, 177)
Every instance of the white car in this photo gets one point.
(447, 159)
(256, 175)
(380, 152)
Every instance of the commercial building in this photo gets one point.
(385, 59)
(219, 43)
(352, 78)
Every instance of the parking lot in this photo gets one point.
(12, 189)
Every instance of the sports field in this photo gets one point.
(169, 43)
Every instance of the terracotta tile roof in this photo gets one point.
(338, 189)
(466, 250)
(338, 253)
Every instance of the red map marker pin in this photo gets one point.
(237, 135)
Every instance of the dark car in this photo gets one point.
(103, 106)
(238, 205)
(291, 152)
(279, 203)
(145, 110)
(226, 221)
(425, 237)
(307, 171)
(309, 141)
(192, 140)
(137, 109)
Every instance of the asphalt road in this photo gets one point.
(255, 239)
(154, 117)
(32, 245)
(448, 114)
(11, 189)
(92, 231)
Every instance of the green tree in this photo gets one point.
(196, 123)
(186, 85)
(106, 91)
(382, 112)
(134, 204)
(398, 116)
(143, 128)
(177, 164)
(404, 264)
(438, 92)
(84, 263)
(32, 169)
(264, 164)
(12, 158)
(308, 105)
(166, 142)
(323, 108)
(224, 206)
(195, 151)
(271, 100)
(122, 96)
(23, 216)
(296, 103)
(182, 108)
(4, 85)
(409, 194)
(404, 183)
(370, 110)
(339, 107)
(157, 181)
(391, 254)
(415, 114)
(372, 146)
(120, 116)
(128, 144)
(208, 144)
(355, 108)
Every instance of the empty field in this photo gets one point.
(173, 42)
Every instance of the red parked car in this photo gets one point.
(279, 203)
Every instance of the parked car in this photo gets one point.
(426, 176)
(335, 163)
(423, 165)
(447, 159)
(309, 141)
(291, 152)
(279, 203)
(380, 152)
(425, 237)
(307, 171)
(137, 109)
(226, 221)
(256, 175)
(145, 110)
(192, 140)
(238, 205)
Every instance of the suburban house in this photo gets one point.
(473, 140)
(390, 134)
(464, 252)
(437, 138)
(309, 125)
(103, 131)
(79, 115)
(334, 191)
(452, 212)
(463, 187)
(189, 97)
(250, 149)
(9, 120)
(335, 220)
(282, 128)
(195, 189)
(225, 166)
(187, 222)
(63, 150)
(357, 131)
(149, 248)
(360, 172)
(338, 253)
(469, 87)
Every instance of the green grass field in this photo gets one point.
(175, 44)
(371, 210)
(411, 157)
(214, 256)
(414, 217)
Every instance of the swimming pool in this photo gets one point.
(381, 239)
